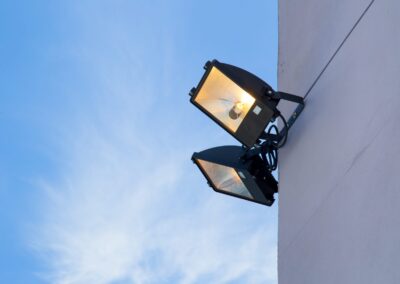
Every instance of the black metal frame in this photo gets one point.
(292, 98)
(248, 82)
(236, 157)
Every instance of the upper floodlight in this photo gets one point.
(231, 170)
(237, 100)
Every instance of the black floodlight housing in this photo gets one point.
(234, 171)
(241, 103)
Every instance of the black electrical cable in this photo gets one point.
(269, 131)
(269, 149)
(285, 131)
(269, 156)
(273, 159)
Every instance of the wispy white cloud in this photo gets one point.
(125, 208)
(118, 214)
(106, 223)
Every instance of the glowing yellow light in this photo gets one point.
(240, 105)
(246, 99)
(224, 99)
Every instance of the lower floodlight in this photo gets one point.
(235, 171)
(241, 103)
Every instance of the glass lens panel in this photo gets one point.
(225, 178)
(224, 100)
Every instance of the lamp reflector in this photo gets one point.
(225, 178)
(236, 100)
(224, 99)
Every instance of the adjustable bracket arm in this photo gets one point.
(287, 97)
(292, 98)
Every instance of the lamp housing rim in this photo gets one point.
(234, 157)
(250, 83)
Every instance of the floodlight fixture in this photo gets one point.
(235, 171)
(242, 104)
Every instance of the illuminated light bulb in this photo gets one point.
(240, 105)
(246, 98)
(236, 111)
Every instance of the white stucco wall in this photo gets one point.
(339, 201)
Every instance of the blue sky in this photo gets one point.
(96, 182)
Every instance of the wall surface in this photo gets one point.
(339, 201)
